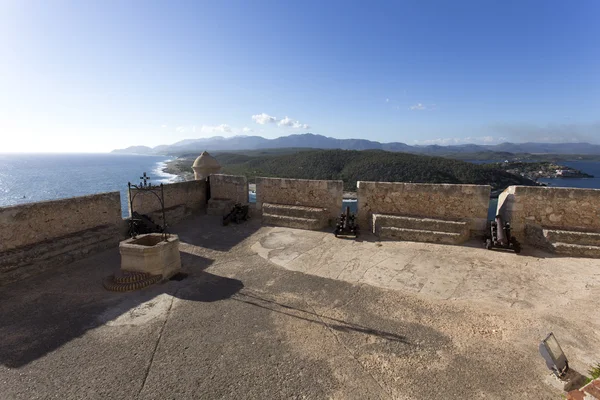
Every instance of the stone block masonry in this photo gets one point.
(551, 207)
(31, 223)
(468, 203)
(36, 236)
(564, 221)
(301, 192)
(181, 199)
(229, 187)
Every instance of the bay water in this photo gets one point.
(26, 178)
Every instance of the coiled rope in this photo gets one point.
(125, 281)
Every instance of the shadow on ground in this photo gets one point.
(208, 232)
(313, 317)
(41, 314)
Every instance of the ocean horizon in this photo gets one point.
(33, 177)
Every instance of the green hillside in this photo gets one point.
(367, 165)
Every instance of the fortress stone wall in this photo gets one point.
(231, 187)
(301, 192)
(181, 199)
(35, 236)
(441, 201)
(550, 207)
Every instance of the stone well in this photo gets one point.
(152, 254)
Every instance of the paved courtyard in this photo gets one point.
(269, 312)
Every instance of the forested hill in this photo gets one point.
(367, 165)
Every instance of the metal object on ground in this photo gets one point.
(137, 220)
(140, 224)
(346, 225)
(556, 360)
(238, 214)
(500, 236)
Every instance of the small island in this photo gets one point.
(537, 170)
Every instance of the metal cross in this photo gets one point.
(145, 178)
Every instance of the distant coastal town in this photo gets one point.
(538, 170)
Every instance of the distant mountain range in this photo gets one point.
(309, 140)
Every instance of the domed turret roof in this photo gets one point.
(206, 160)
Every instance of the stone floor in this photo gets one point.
(281, 313)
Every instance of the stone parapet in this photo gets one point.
(31, 223)
(550, 207)
(36, 236)
(449, 202)
(181, 199)
(229, 187)
(301, 192)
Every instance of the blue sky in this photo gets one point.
(98, 75)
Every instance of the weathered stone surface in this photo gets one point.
(576, 250)
(292, 222)
(420, 235)
(26, 261)
(151, 254)
(191, 195)
(564, 221)
(31, 223)
(429, 224)
(468, 203)
(296, 211)
(581, 238)
(232, 187)
(300, 217)
(301, 192)
(420, 229)
(551, 207)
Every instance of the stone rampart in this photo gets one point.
(229, 187)
(31, 223)
(441, 201)
(550, 207)
(37, 236)
(301, 192)
(181, 199)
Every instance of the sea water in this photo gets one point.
(26, 178)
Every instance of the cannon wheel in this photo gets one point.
(516, 245)
(488, 244)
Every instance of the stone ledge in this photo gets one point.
(420, 235)
(427, 224)
(293, 222)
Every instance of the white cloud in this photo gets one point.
(287, 121)
(418, 107)
(181, 129)
(164, 126)
(246, 130)
(223, 128)
(263, 119)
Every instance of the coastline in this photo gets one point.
(178, 168)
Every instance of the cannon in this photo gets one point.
(346, 225)
(500, 236)
(140, 224)
(238, 214)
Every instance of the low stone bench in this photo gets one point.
(565, 242)
(416, 229)
(301, 217)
